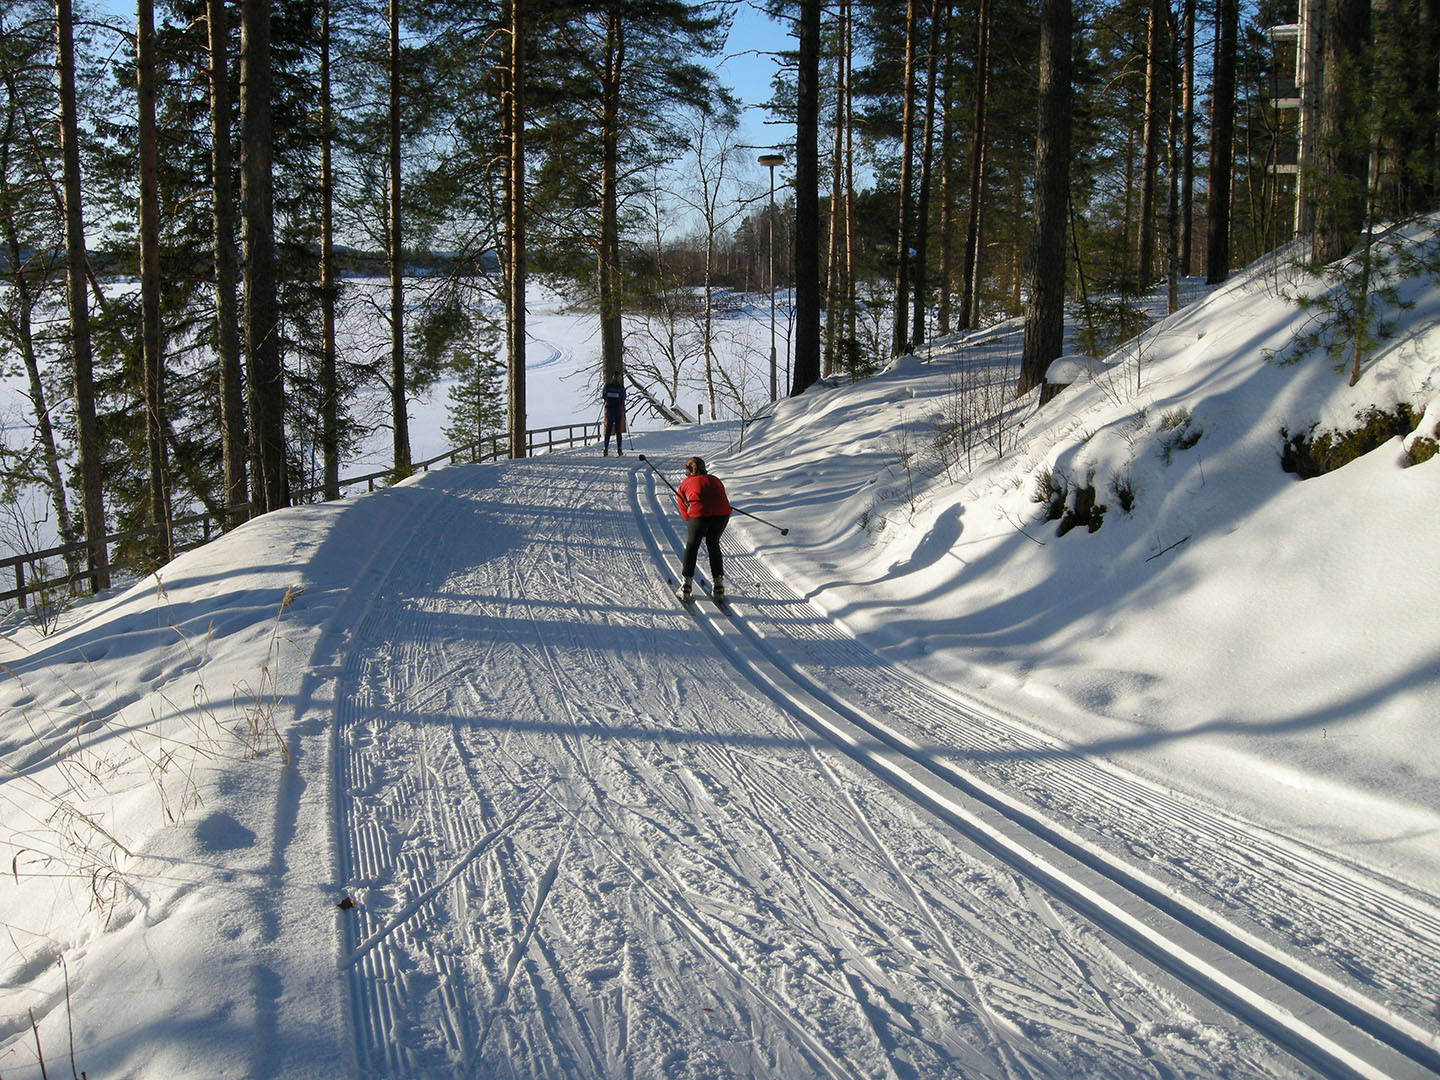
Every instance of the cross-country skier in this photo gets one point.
(614, 397)
(705, 508)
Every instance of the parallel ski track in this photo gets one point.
(1340, 968)
(371, 854)
(534, 869)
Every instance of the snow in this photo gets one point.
(579, 831)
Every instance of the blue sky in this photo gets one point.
(748, 66)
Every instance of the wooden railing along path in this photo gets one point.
(492, 448)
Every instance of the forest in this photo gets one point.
(194, 199)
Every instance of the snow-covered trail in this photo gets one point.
(582, 843)
(1366, 947)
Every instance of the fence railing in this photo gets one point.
(78, 579)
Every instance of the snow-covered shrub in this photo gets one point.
(1051, 491)
(1310, 454)
(1122, 490)
(1084, 509)
(1178, 432)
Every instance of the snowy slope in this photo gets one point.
(1266, 641)
(890, 817)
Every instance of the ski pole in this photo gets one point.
(757, 517)
(735, 509)
(658, 473)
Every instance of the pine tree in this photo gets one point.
(268, 452)
(229, 376)
(76, 287)
(807, 200)
(329, 376)
(477, 412)
(979, 151)
(900, 323)
(152, 362)
(1156, 124)
(1222, 142)
(1344, 141)
(939, 17)
(516, 218)
(1045, 310)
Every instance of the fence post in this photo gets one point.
(20, 583)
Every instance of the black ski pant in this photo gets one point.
(709, 530)
(612, 424)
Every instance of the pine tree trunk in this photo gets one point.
(399, 410)
(900, 328)
(834, 283)
(612, 340)
(1222, 143)
(970, 273)
(87, 427)
(947, 192)
(269, 473)
(1187, 147)
(1018, 251)
(939, 14)
(515, 235)
(1398, 31)
(1428, 143)
(1150, 153)
(1045, 307)
(1172, 169)
(230, 383)
(806, 369)
(1343, 148)
(329, 286)
(851, 299)
(160, 546)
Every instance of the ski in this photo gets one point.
(722, 603)
(685, 599)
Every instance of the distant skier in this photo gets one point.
(705, 508)
(614, 397)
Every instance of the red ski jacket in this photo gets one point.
(702, 496)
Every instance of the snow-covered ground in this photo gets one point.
(562, 371)
(441, 781)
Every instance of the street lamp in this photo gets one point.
(770, 161)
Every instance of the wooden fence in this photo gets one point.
(207, 524)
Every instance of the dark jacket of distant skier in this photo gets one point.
(705, 508)
(614, 398)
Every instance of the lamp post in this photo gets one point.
(770, 161)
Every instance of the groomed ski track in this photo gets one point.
(590, 833)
